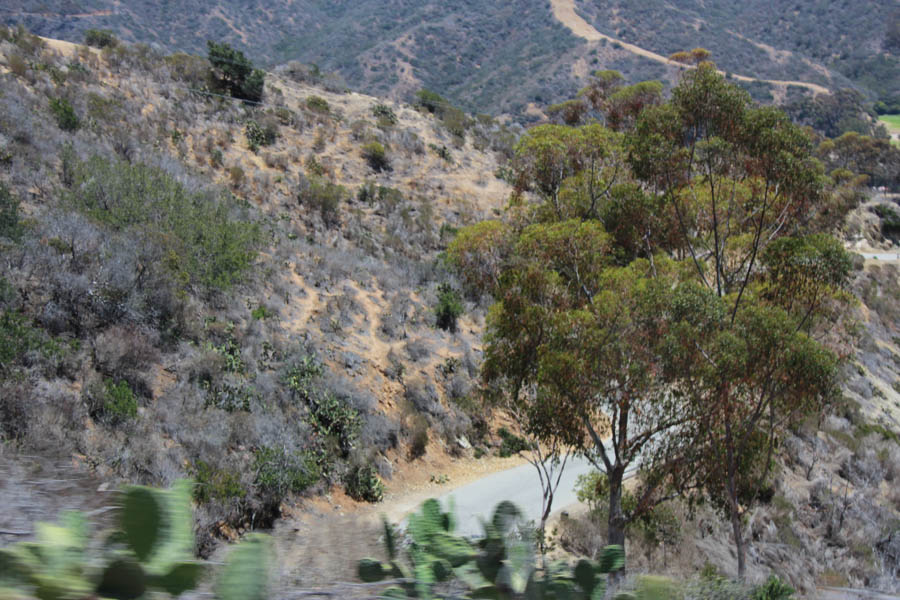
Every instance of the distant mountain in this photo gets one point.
(499, 57)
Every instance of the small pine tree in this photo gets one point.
(449, 307)
(233, 73)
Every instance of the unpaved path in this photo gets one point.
(564, 11)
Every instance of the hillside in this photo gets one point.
(498, 58)
(256, 297)
(178, 300)
(831, 44)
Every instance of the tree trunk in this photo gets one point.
(616, 519)
(737, 530)
(616, 525)
(733, 507)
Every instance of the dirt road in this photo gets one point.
(564, 11)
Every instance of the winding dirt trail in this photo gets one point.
(564, 11)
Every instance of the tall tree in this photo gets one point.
(746, 194)
(666, 290)
(573, 340)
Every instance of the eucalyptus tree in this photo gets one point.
(667, 289)
(747, 197)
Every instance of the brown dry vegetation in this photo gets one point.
(344, 275)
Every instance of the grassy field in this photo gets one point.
(892, 122)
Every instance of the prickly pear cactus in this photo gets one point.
(157, 525)
(500, 565)
(246, 572)
(152, 551)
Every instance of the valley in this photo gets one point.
(321, 306)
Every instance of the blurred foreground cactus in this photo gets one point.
(501, 564)
(152, 551)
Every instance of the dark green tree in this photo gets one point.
(233, 73)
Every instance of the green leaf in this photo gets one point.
(370, 570)
(142, 520)
(123, 579)
(181, 578)
(470, 575)
(441, 569)
(390, 538)
(246, 572)
(394, 592)
(612, 559)
(488, 592)
(518, 566)
(562, 589)
(456, 550)
(585, 576)
(505, 516)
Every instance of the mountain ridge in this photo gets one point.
(498, 59)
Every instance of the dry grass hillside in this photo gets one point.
(269, 325)
(254, 296)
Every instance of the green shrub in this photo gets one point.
(65, 115)
(362, 483)
(431, 101)
(302, 376)
(376, 155)
(324, 197)
(119, 404)
(449, 307)
(100, 38)
(261, 313)
(215, 484)
(56, 74)
(334, 421)
(280, 472)
(442, 151)
(19, 337)
(773, 589)
(258, 135)
(201, 236)
(9, 214)
(890, 219)
(230, 397)
(318, 104)
(511, 443)
(385, 114)
(313, 166)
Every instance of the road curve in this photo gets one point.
(564, 11)
(520, 485)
